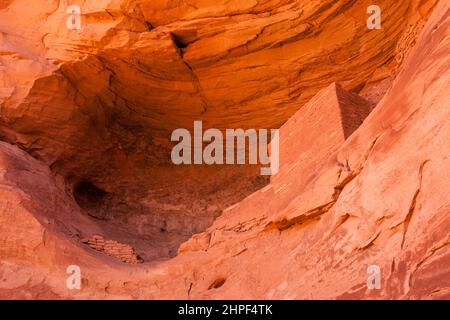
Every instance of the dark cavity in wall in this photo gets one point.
(92, 200)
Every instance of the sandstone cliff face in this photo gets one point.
(85, 122)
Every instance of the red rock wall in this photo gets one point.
(96, 106)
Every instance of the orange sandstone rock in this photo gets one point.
(85, 121)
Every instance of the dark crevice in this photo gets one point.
(92, 199)
(179, 41)
(217, 283)
(149, 25)
(179, 44)
(357, 89)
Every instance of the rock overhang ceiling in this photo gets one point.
(140, 69)
(162, 64)
(97, 107)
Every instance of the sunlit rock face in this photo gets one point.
(86, 117)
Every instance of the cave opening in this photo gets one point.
(156, 208)
(91, 199)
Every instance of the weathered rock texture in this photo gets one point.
(85, 122)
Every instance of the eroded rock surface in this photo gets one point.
(85, 123)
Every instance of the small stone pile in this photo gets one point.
(112, 248)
